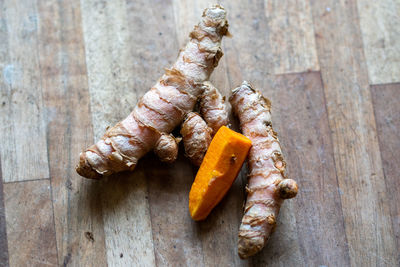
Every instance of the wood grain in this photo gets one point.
(126, 220)
(379, 21)
(69, 64)
(299, 116)
(247, 52)
(114, 70)
(365, 202)
(23, 151)
(291, 36)
(387, 113)
(4, 57)
(30, 224)
(3, 229)
(76, 201)
(175, 235)
(109, 62)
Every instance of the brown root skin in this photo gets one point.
(267, 184)
(248, 247)
(85, 170)
(196, 137)
(213, 107)
(163, 107)
(287, 188)
(167, 148)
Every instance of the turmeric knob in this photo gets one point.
(167, 148)
(287, 188)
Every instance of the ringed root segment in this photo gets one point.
(213, 108)
(196, 137)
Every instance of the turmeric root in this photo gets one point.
(267, 184)
(220, 166)
(196, 132)
(212, 107)
(196, 137)
(162, 108)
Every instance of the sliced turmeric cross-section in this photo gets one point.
(220, 166)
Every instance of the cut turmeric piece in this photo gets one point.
(220, 166)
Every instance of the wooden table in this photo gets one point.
(70, 69)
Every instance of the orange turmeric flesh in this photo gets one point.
(220, 166)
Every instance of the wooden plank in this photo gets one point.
(21, 109)
(3, 233)
(300, 117)
(30, 223)
(379, 21)
(4, 57)
(126, 220)
(386, 100)
(247, 53)
(291, 36)
(365, 202)
(109, 62)
(76, 201)
(115, 74)
(176, 236)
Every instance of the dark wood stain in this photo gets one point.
(299, 116)
(386, 99)
(3, 232)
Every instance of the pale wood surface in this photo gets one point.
(22, 113)
(291, 36)
(72, 68)
(379, 21)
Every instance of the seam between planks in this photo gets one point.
(89, 96)
(381, 84)
(51, 191)
(47, 141)
(23, 181)
(151, 222)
